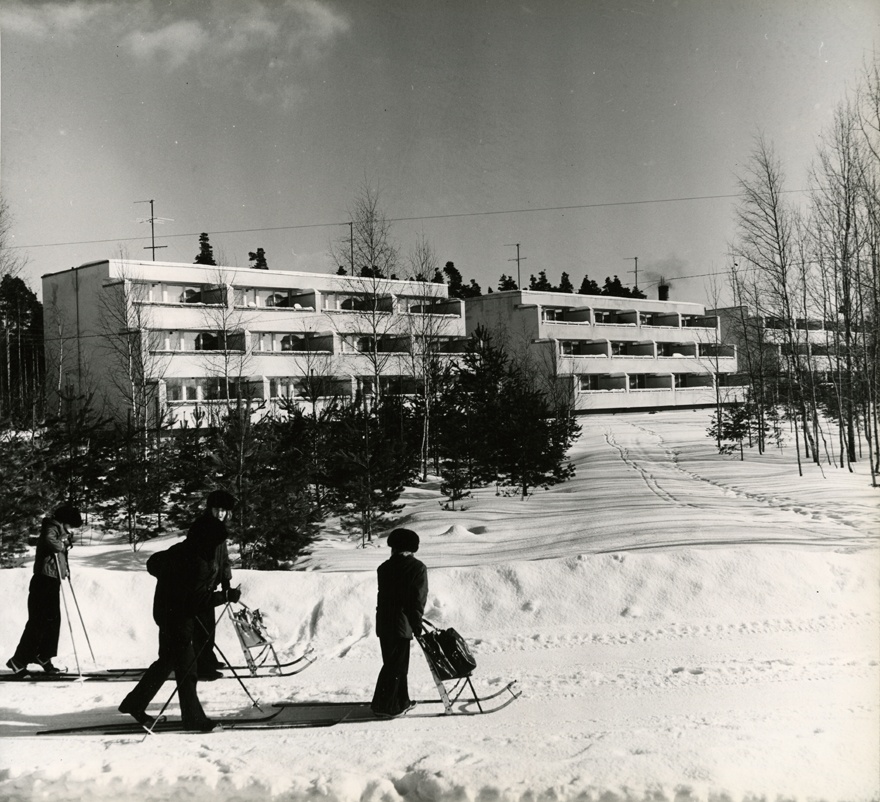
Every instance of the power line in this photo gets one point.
(410, 219)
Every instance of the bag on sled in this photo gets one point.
(254, 638)
(447, 652)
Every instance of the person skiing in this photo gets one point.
(187, 575)
(218, 508)
(39, 640)
(403, 592)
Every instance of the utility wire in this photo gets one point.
(407, 219)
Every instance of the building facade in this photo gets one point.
(164, 341)
(610, 354)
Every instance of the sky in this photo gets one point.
(590, 132)
(709, 631)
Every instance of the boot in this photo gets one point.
(16, 668)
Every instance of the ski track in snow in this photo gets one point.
(683, 627)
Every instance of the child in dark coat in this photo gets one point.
(403, 592)
(186, 574)
(39, 641)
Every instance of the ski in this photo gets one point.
(511, 687)
(281, 718)
(360, 711)
(288, 669)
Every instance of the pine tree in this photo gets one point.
(21, 351)
(565, 284)
(258, 258)
(26, 492)
(506, 283)
(205, 255)
(541, 283)
(589, 287)
(472, 290)
(614, 288)
(454, 280)
(375, 453)
(496, 426)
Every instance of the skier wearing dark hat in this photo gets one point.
(39, 641)
(403, 592)
(187, 575)
(207, 527)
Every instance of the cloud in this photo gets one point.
(52, 20)
(211, 35)
(261, 30)
(263, 49)
(175, 43)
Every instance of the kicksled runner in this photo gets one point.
(449, 661)
(260, 658)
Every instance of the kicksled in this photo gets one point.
(450, 660)
(257, 646)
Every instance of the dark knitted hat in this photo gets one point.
(68, 514)
(220, 499)
(403, 540)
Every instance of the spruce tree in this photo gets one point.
(258, 258)
(589, 287)
(376, 451)
(205, 256)
(454, 280)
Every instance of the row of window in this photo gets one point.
(297, 299)
(270, 342)
(598, 382)
(279, 387)
(617, 317)
(605, 348)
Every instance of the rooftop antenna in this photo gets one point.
(517, 260)
(152, 220)
(636, 271)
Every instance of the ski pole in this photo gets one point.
(67, 615)
(234, 672)
(79, 613)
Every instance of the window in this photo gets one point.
(278, 299)
(181, 389)
(284, 387)
(290, 342)
(207, 341)
(589, 382)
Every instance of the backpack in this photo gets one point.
(159, 562)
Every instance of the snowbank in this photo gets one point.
(683, 627)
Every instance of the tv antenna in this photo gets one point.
(518, 259)
(152, 220)
(636, 271)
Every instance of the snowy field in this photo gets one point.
(683, 626)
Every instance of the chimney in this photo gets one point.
(663, 291)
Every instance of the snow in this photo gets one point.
(683, 626)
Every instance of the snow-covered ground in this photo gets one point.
(683, 626)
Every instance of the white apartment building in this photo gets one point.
(812, 342)
(174, 338)
(613, 354)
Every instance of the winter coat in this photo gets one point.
(53, 542)
(188, 572)
(403, 592)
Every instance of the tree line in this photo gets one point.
(805, 279)
(295, 470)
